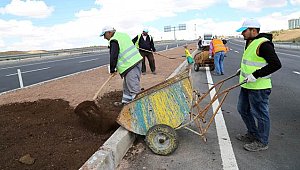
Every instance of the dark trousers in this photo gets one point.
(151, 61)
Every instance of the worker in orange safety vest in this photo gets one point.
(217, 49)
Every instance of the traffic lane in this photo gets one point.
(61, 69)
(235, 45)
(283, 108)
(33, 62)
(33, 74)
(6, 85)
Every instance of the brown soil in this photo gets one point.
(50, 133)
(39, 128)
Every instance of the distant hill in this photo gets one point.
(21, 52)
(292, 35)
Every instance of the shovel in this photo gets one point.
(88, 110)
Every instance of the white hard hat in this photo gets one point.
(249, 23)
(105, 29)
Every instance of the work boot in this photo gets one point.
(255, 146)
(248, 138)
(153, 72)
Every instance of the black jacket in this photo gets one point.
(266, 51)
(147, 45)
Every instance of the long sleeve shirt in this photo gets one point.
(266, 51)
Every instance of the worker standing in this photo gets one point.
(217, 50)
(126, 60)
(144, 42)
(259, 61)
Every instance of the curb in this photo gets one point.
(113, 150)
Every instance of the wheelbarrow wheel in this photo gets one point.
(162, 139)
(196, 67)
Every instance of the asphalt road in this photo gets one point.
(34, 70)
(223, 152)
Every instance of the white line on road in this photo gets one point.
(227, 154)
(88, 60)
(45, 62)
(296, 72)
(28, 71)
(288, 54)
(236, 52)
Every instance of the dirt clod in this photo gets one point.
(27, 159)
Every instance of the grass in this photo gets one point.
(292, 35)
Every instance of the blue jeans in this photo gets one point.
(219, 62)
(255, 104)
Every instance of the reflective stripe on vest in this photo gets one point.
(128, 57)
(128, 54)
(246, 75)
(252, 62)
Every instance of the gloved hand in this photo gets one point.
(209, 56)
(250, 78)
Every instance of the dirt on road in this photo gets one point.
(39, 129)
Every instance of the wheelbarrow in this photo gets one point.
(201, 57)
(160, 110)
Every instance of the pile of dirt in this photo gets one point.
(46, 134)
(100, 117)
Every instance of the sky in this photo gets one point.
(62, 24)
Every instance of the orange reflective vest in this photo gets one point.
(218, 46)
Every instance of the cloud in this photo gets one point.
(28, 8)
(86, 26)
(256, 5)
(295, 2)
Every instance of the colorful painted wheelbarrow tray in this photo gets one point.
(165, 103)
(160, 110)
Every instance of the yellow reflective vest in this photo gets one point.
(252, 62)
(128, 54)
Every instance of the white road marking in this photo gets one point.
(88, 60)
(296, 72)
(28, 71)
(227, 154)
(44, 62)
(288, 54)
(58, 78)
(236, 52)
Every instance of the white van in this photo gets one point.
(207, 39)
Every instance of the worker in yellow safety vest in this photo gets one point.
(126, 60)
(259, 61)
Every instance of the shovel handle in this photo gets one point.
(156, 53)
(96, 95)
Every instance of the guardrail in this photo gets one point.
(54, 53)
(288, 45)
(85, 50)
